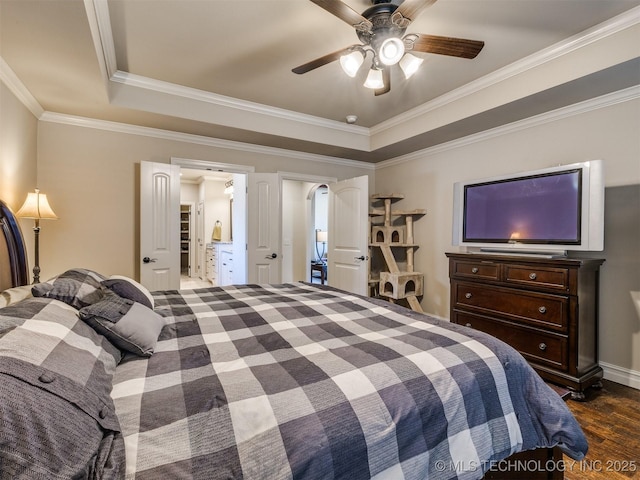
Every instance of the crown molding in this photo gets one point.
(613, 25)
(13, 83)
(100, 28)
(146, 83)
(197, 139)
(621, 96)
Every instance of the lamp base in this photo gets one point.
(36, 267)
(36, 275)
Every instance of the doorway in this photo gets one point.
(304, 230)
(217, 241)
(320, 234)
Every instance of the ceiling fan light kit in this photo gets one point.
(410, 65)
(374, 79)
(351, 62)
(381, 30)
(391, 51)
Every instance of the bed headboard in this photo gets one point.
(13, 257)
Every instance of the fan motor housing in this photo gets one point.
(379, 15)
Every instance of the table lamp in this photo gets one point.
(36, 206)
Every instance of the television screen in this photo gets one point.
(542, 209)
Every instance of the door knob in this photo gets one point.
(273, 255)
(361, 257)
(148, 260)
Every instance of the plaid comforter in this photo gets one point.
(57, 420)
(308, 382)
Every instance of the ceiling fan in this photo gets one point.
(381, 29)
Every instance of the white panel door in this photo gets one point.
(200, 246)
(239, 221)
(159, 226)
(263, 243)
(348, 235)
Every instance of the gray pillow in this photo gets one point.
(129, 325)
(77, 287)
(128, 288)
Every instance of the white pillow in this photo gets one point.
(14, 295)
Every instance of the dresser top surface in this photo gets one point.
(524, 258)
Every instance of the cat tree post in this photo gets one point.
(395, 283)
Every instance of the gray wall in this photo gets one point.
(620, 277)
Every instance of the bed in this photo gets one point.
(102, 379)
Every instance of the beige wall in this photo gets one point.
(18, 156)
(609, 133)
(92, 179)
(216, 208)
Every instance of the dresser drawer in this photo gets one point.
(535, 345)
(480, 270)
(537, 277)
(537, 309)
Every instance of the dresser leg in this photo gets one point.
(578, 396)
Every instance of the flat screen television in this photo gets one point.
(548, 211)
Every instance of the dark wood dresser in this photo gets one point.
(547, 309)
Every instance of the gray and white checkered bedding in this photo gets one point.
(57, 419)
(308, 382)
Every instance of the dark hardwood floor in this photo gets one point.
(610, 418)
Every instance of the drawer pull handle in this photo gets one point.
(533, 276)
(467, 295)
(467, 324)
(474, 270)
(542, 309)
(542, 346)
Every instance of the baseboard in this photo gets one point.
(624, 376)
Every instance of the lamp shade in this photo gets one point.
(410, 64)
(391, 51)
(351, 62)
(321, 236)
(374, 79)
(36, 206)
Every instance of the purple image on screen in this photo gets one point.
(537, 209)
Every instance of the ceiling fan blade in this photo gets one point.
(386, 78)
(454, 47)
(409, 10)
(319, 62)
(346, 13)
